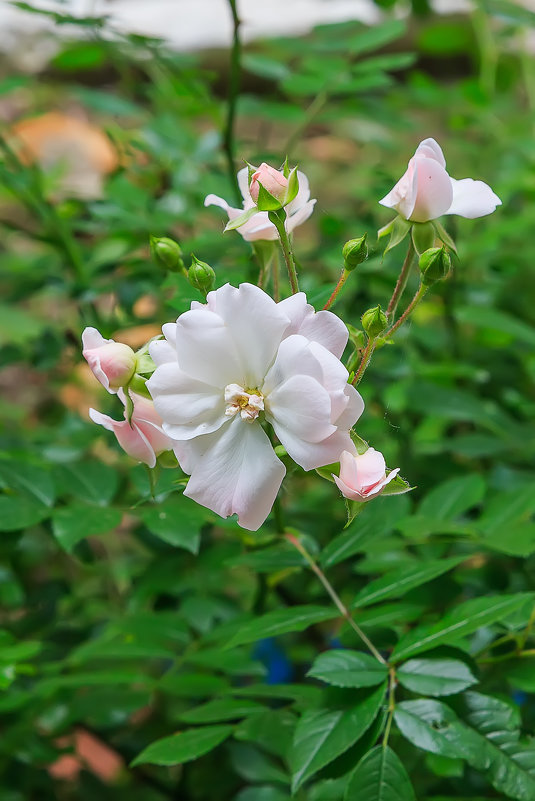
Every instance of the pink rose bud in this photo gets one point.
(363, 476)
(142, 438)
(271, 179)
(426, 191)
(112, 363)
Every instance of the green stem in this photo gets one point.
(344, 275)
(234, 90)
(275, 270)
(391, 704)
(414, 302)
(334, 596)
(401, 282)
(278, 218)
(364, 362)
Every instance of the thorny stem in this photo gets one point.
(277, 218)
(401, 282)
(334, 596)
(364, 362)
(414, 302)
(391, 704)
(234, 90)
(344, 275)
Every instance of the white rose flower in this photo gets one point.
(241, 359)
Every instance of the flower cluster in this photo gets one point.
(241, 383)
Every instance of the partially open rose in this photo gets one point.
(363, 476)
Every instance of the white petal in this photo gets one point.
(334, 379)
(310, 455)
(294, 357)
(188, 407)
(433, 190)
(430, 148)
(205, 348)
(301, 405)
(238, 474)
(472, 199)
(403, 196)
(323, 327)
(256, 325)
(243, 183)
(92, 338)
(258, 227)
(299, 216)
(162, 352)
(352, 411)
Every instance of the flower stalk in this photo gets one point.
(401, 282)
(278, 218)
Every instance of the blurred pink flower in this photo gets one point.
(142, 438)
(241, 359)
(112, 363)
(363, 476)
(258, 226)
(426, 191)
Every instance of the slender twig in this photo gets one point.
(334, 596)
(364, 362)
(401, 282)
(234, 91)
(344, 275)
(391, 704)
(277, 218)
(414, 302)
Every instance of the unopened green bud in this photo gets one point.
(201, 275)
(355, 251)
(166, 253)
(374, 321)
(435, 264)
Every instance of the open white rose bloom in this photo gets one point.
(226, 367)
(426, 191)
(258, 226)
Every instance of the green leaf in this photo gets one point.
(399, 581)
(73, 523)
(431, 726)
(281, 621)
(398, 232)
(220, 709)
(464, 619)
(89, 481)
(505, 508)
(177, 520)
(32, 479)
(380, 776)
(263, 792)
(345, 668)
(444, 236)
(491, 319)
(241, 219)
(351, 541)
(17, 512)
(453, 497)
(323, 734)
(435, 676)
(183, 746)
(423, 236)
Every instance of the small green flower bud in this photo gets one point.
(374, 321)
(435, 264)
(355, 251)
(166, 253)
(201, 275)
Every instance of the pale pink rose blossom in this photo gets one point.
(363, 476)
(271, 179)
(226, 366)
(426, 191)
(258, 226)
(143, 438)
(112, 363)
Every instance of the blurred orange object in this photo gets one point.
(89, 753)
(81, 152)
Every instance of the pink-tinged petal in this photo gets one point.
(299, 216)
(371, 467)
(472, 199)
(258, 227)
(347, 491)
(238, 473)
(434, 192)
(430, 148)
(206, 349)
(243, 183)
(302, 197)
(300, 405)
(403, 196)
(92, 338)
(256, 325)
(188, 406)
(215, 200)
(353, 410)
(112, 363)
(133, 441)
(363, 476)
